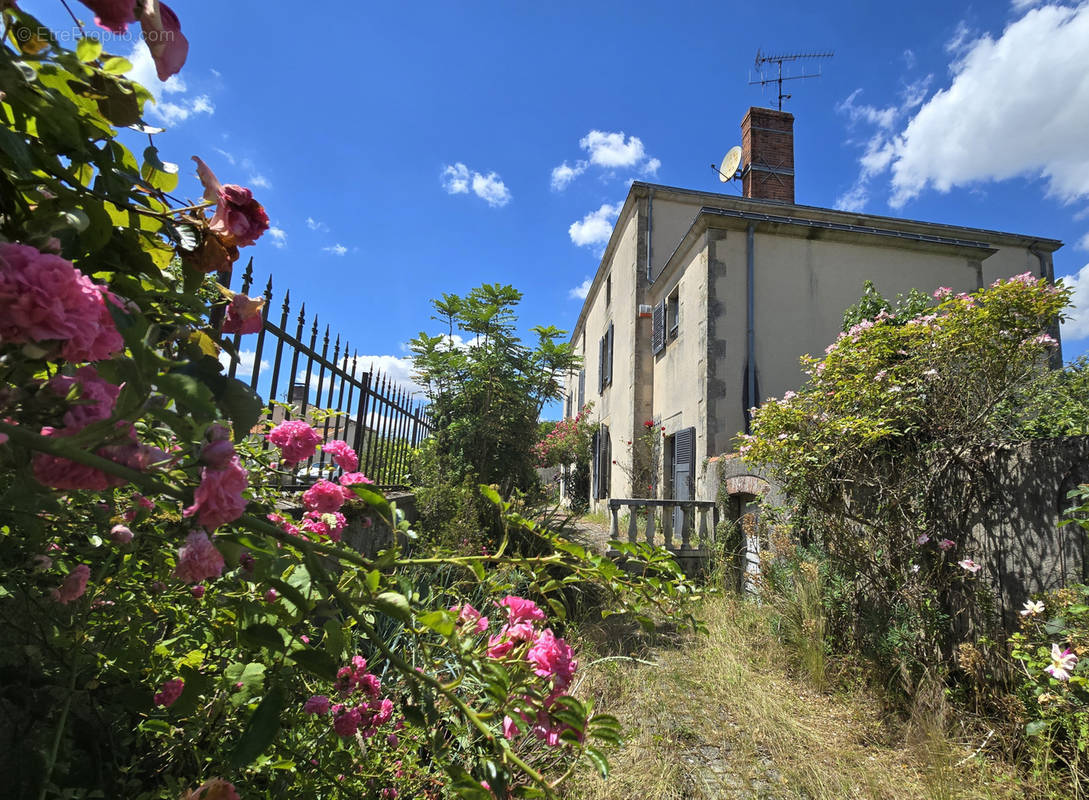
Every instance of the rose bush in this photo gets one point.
(168, 626)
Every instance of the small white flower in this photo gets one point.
(970, 565)
(1032, 608)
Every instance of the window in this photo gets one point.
(582, 388)
(657, 339)
(601, 449)
(673, 313)
(605, 360)
(608, 290)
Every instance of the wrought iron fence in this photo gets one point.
(378, 418)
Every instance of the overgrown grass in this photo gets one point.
(729, 714)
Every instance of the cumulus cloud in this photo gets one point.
(336, 249)
(564, 174)
(246, 360)
(279, 236)
(167, 112)
(491, 189)
(459, 179)
(612, 150)
(315, 225)
(260, 181)
(396, 369)
(1077, 327)
(580, 291)
(1016, 106)
(595, 228)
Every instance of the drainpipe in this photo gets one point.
(1047, 271)
(750, 338)
(650, 235)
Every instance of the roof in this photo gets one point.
(770, 213)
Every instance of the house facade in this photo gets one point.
(703, 304)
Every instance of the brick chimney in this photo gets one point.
(767, 155)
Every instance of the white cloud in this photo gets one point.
(612, 150)
(279, 236)
(336, 249)
(246, 359)
(580, 291)
(1077, 327)
(229, 156)
(564, 174)
(459, 179)
(397, 369)
(1023, 5)
(909, 58)
(168, 112)
(315, 225)
(650, 168)
(595, 228)
(1016, 106)
(260, 180)
(880, 148)
(491, 189)
(455, 178)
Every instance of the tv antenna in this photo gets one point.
(762, 61)
(727, 171)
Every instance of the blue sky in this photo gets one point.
(406, 150)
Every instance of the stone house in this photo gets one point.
(703, 303)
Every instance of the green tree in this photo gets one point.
(486, 388)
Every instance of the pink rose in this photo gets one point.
(329, 524)
(162, 33)
(317, 704)
(347, 722)
(552, 658)
(217, 454)
(75, 584)
(271, 595)
(169, 692)
(198, 559)
(95, 398)
(244, 315)
(61, 473)
(521, 610)
(323, 497)
(469, 616)
(218, 500)
(296, 439)
(197, 591)
(213, 789)
(239, 220)
(349, 479)
(43, 298)
(121, 534)
(343, 455)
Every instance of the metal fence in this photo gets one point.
(378, 418)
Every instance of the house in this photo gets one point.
(703, 304)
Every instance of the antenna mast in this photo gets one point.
(763, 60)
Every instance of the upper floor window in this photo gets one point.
(673, 313)
(605, 360)
(608, 290)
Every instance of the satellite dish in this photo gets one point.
(730, 162)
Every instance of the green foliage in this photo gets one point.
(567, 441)
(881, 455)
(872, 304)
(486, 389)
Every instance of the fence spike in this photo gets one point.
(286, 308)
(247, 277)
(268, 291)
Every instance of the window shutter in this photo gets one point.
(596, 466)
(658, 332)
(582, 388)
(570, 401)
(601, 365)
(606, 461)
(609, 356)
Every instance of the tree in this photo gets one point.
(486, 388)
(882, 453)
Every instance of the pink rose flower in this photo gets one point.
(95, 398)
(323, 497)
(198, 559)
(521, 610)
(43, 298)
(239, 220)
(169, 692)
(343, 455)
(969, 565)
(347, 722)
(162, 33)
(552, 658)
(213, 789)
(75, 584)
(318, 704)
(217, 454)
(121, 534)
(329, 524)
(946, 544)
(469, 616)
(271, 595)
(296, 439)
(197, 591)
(244, 315)
(218, 500)
(499, 646)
